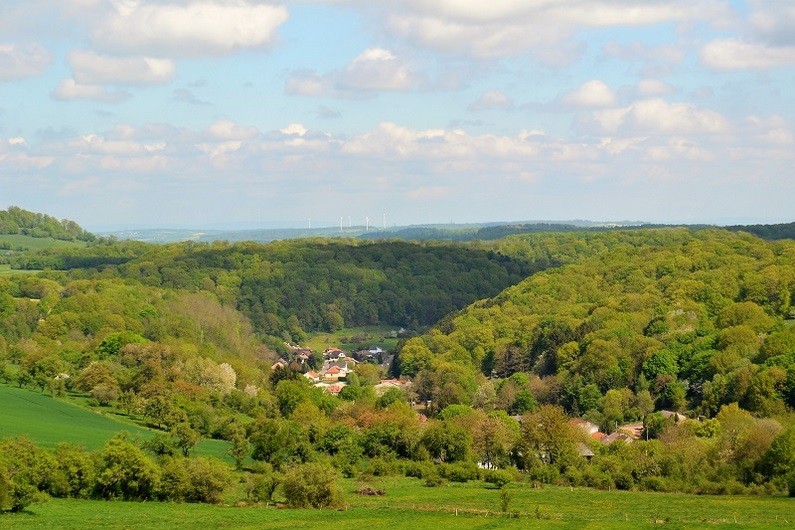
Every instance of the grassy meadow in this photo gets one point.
(408, 504)
(352, 339)
(48, 421)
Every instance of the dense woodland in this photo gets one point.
(15, 220)
(528, 332)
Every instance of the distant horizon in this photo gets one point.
(232, 227)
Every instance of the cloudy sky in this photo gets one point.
(208, 113)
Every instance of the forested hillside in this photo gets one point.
(308, 285)
(687, 320)
(684, 335)
(15, 220)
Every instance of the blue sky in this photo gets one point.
(205, 113)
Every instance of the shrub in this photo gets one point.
(125, 472)
(419, 469)
(434, 481)
(311, 485)
(460, 471)
(498, 477)
(199, 479)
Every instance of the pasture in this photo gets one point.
(408, 504)
(48, 421)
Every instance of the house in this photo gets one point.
(584, 425)
(281, 363)
(617, 436)
(584, 451)
(333, 353)
(312, 376)
(331, 388)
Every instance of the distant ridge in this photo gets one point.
(429, 232)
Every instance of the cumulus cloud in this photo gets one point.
(507, 27)
(229, 130)
(188, 29)
(656, 116)
(492, 100)
(594, 93)
(91, 68)
(374, 70)
(734, 54)
(18, 61)
(69, 89)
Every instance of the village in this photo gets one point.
(337, 365)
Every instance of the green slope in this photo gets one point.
(49, 421)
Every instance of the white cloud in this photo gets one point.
(507, 27)
(656, 116)
(377, 69)
(17, 61)
(492, 100)
(229, 130)
(188, 29)
(594, 93)
(90, 68)
(16, 141)
(69, 89)
(373, 70)
(733, 54)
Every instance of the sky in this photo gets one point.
(249, 113)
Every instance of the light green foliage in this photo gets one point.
(125, 472)
(199, 479)
(311, 485)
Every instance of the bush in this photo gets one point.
(125, 472)
(311, 485)
(434, 481)
(419, 469)
(382, 467)
(498, 477)
(260, 487)
(460, 471)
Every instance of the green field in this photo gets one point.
(6, 269)
(409, 505)
(352, 339)
(37, 243)
(48, 421)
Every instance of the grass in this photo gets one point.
(410, 505)
(37, 243)
(352, 339)
(7, 270)
(48, 421)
